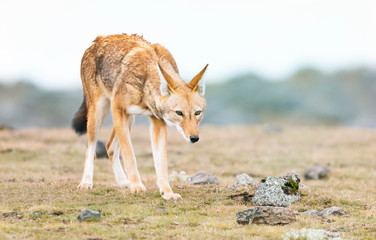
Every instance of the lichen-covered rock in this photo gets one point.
(316, 172)
(272, 191)
(292, 187)
(311, 234)
(243, 182)
(266, 215)
(89, 215)
(203, 177)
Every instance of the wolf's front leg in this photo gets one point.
(120, 119)
(158, 135)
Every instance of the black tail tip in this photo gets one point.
(79, 125)
(79, 122)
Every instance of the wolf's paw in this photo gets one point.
(123, 184)
(137, 188)
(172, 196)
(84, 186)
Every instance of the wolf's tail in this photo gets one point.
(79, 122)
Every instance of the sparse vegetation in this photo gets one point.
(40, 170)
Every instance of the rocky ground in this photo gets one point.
(334, 199)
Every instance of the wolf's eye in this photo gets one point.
(180, 113)
(198, 112)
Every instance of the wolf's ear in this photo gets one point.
(167, 83)
(198, 85)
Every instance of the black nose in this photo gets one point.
(194, 139)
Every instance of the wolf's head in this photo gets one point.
(182, 104)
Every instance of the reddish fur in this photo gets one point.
(122, 71)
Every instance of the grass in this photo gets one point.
(40, 170)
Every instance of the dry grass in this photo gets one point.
(40, 169)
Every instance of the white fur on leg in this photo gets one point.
(120, 177)
(160, 163)
(87, 178)
(155, 151)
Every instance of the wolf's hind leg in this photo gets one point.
(96, 114)
(113, 151)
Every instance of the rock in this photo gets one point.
(101, 151)
(311, 234)
(202, 177)
(178, 177)
(316, 172)
(334, 211)
(89, 215)
(266, 215)
(292, 187)
(310, 212)
(243, 182)
(272, 191)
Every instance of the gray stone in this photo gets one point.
(243, 181)
(202, 177)
(266, 215)
(89, 215)
(334, 211)
(273, 191)
(311, 234)
(100, 150)
(316, 172)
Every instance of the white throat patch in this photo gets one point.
(136, 110)
(180, 130)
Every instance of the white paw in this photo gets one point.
(123, 184)
(172, 196)
(137, 188)
(85, 186)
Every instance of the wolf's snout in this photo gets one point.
(194, 139)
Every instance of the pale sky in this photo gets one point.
(43, 41)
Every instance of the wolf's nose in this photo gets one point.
(194, 139)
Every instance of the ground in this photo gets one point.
(40, 171)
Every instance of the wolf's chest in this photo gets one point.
(137, 110)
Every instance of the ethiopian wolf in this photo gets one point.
(135, 77)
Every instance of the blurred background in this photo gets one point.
(279, 62)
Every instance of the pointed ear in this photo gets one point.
(198, 85)
(167, 83)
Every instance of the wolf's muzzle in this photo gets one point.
(194, 139)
